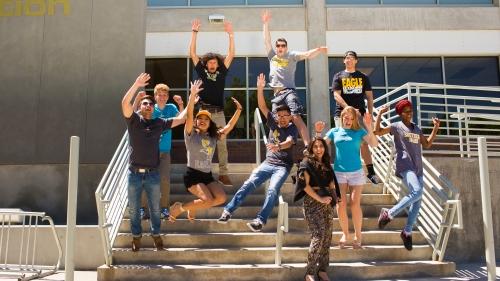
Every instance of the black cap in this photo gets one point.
(351, 53)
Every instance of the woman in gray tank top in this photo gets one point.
(200, 136)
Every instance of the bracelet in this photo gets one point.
(194, 30)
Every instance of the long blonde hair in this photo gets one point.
(351, 110)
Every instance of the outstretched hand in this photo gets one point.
(261, 81)
(436, 122)
(195, 88)
(367, 120)
(265, 16)
(195, 25)
(177, 99)
(384, 109)
(319, 126)
(228, 27)
(237, 103)
(142, 80)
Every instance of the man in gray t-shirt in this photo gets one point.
(408, 139)
(282, 65)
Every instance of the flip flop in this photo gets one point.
(175, 210)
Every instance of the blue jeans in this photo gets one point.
(149, 182)
(413, 200)
(278, 175)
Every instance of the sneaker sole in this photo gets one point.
(222, 222)
(253, 229)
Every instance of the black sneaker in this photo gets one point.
(256, 225)
(407, 241)
(383, 218)
(373, 178)
(143, 214)
(164, 214)
(225, 217)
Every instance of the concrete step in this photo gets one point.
(239, 225)
(232, 168)
(271, 272)
(250, 239)
(258, 199)
(288, 187)
(255, 255)
(294, 211)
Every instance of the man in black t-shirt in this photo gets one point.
(144, 136)
(212, 69)
(351, 87)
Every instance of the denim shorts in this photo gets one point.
(288, 97)
(193, 176)
(351, 178)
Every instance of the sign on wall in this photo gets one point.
(34, 8)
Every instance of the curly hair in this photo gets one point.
(323, 166)
(213, 130)
(210, 56)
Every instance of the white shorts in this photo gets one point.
(351, 178)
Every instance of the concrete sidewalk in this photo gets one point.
(468, 271)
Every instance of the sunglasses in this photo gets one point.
(280, 45)
(147, 103)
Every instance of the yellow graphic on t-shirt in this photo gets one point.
(206, 148)
(352, 85)
(276, 136)
(412, 138)
(279, 62)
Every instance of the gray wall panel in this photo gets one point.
(64, 82)
(118, 25)
(20, 66)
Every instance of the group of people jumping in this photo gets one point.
(321, 185)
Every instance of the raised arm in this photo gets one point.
(313, 53)
(228, 27)
(381, 131)
(369, 101)
(427, 142)
(261, 101)
(195, 27)
(266, 18)
(141, 81)
(369, 138)
(230, 125)
(179, 102)
(137, 99)
(189, 111)
(319, 126)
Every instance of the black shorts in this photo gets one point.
(193, 176)
(288, 97)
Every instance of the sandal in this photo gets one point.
(175, 210)
(342, 245)
(356, 244)
(191, 215)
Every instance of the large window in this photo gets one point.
(410, 2)
(240, 84)
(197, 3)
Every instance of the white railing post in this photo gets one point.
(467, 137)
(489, 241)
(418, 111)
(69, 265)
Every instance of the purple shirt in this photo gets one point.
(408, 148)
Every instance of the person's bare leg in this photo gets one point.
(297, 120)
(342, 213)
(357, 213)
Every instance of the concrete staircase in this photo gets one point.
(206, 250)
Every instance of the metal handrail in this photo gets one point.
(111, 198)
(25, 269)
(440, 201)
(457, 113)
(282, 222)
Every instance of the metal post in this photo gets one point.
(489, 242)
(257, 136)
(71, 211)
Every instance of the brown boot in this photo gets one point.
(225, 180)
(136, 244)
(158, 243)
